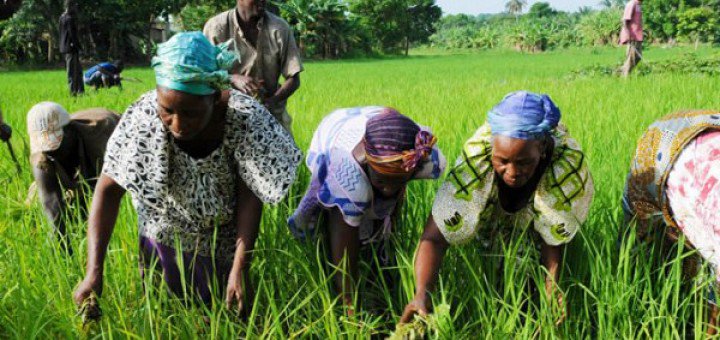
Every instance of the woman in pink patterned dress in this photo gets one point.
(673, 187)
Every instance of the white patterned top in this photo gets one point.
(192, 200)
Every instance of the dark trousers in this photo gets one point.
(74, 73)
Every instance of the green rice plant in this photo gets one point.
(612, 289)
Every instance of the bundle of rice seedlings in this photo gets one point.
(422, 326)
(90, 310)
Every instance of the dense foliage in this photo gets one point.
(109, 28)
(543, 27)
(346, 28)
(122, 28)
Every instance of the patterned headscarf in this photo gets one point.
(524, 115)
(394, 144)
(188, 62)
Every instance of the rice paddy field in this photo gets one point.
(612, 289)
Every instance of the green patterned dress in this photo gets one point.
(467, 206)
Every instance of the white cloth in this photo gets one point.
(338, 181)
(693, 191)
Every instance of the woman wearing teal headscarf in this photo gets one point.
(199, 162)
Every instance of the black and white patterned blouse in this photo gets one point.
(186, 201)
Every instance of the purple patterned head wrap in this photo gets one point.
(524, 115)
(395, 144)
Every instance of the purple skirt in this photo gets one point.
(191, 277)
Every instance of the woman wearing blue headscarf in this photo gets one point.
(520, 174)
(199, 162)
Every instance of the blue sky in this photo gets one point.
(497, 6)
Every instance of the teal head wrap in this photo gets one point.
(188, 62)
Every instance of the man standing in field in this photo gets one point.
(70, 46)
(266, 48)
(66, 153)
(632, 35)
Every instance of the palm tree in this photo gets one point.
(515, 7)
(612, 3)
(585, 10)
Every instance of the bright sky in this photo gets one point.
(497, 6)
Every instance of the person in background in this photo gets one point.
(5, 130)
(199, 162)
(632, 35)
(361, 160)
(66, 157)
(104, 75)
(672, 190)
(70, 47)
(267, 50)
(520, 174)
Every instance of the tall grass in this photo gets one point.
(612, 290)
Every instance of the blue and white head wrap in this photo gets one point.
(524, 115)
(188, 62)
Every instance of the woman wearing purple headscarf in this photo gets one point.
(361, 160)
(520, 174)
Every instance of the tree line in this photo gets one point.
(113, 29)
(543, 27)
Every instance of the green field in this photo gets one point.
(610, 293)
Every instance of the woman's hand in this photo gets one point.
(558, 305)
(428, 260)
(418, 306)
(550, 257)
(235, 295)
(248, 212)
(103, 214)
(87, 288)
(86, 298)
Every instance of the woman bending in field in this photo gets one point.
(520, 171)
(198, 162)
(361, 160)
(673, 189)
